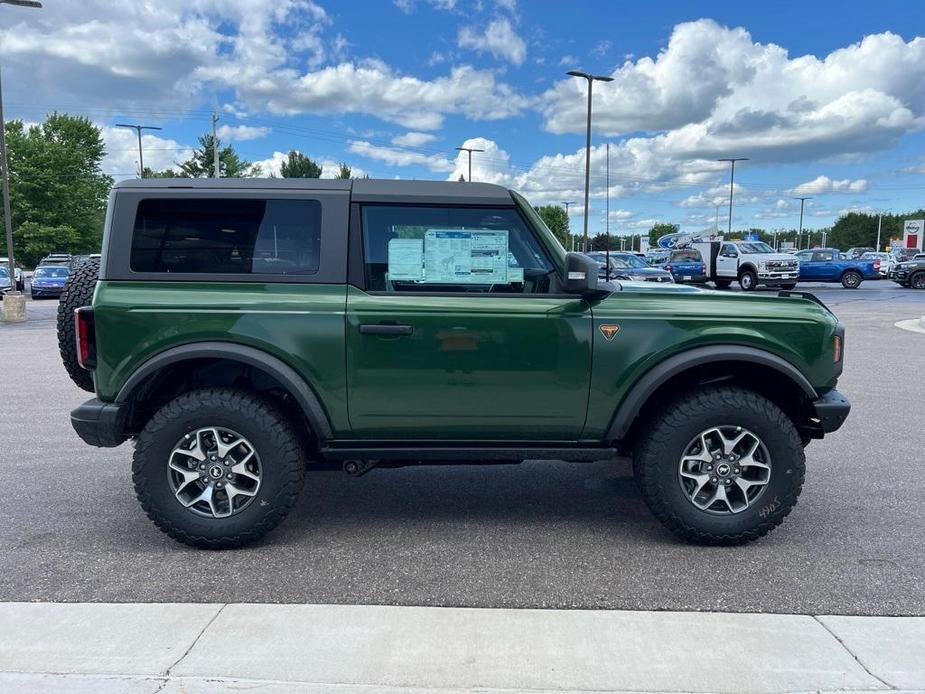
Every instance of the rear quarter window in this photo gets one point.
(226, 236)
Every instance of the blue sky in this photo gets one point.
(826, 98)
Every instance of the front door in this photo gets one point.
(727, 262)
(460, 332)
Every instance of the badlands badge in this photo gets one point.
(608, 330)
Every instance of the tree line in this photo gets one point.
(58, 193)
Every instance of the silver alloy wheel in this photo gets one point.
(852, 280)
(918, 281)
(724, 469)
(214, 472)
(746, 281)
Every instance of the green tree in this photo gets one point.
(57, 189)
(660, 229)
(166, 173)
(557, 221)
(461, 179)
(230, 165)
(297, 165)
(344, 172)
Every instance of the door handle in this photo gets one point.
(385, 329)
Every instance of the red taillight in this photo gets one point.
(876, 265)
(668, 267)
(86, 337)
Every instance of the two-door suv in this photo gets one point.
(242, 332)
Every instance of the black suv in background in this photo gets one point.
(911, 273)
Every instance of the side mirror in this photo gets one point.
(581, 276)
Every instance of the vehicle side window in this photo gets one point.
(805, 256)
(822, 256)
(452, 249)
(228, 236)
(730, 251)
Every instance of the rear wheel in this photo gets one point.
(789, 286)
(218, 468)
(720, 466)
(748, 280)
(78, 292)
(918, 280)
(851, 280)
(722, 284)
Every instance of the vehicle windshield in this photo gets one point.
(756, 247)
(56, 272)
(875, 256)
(4, 272)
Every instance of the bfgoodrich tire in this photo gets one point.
(78, 292)
(758, 487)
(218, 468)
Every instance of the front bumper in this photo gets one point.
(46, 291)
(831, 410)
(100, 423)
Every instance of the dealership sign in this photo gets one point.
(912, 233)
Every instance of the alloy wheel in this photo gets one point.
(724, 469)
(214, 472)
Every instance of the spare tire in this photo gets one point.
(78, 291)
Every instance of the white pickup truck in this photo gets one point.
(749, 263)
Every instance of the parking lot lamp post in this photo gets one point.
(800, 232)
(732, 177)
(8, 222)
(470, 150)
(590, 78)
(879, 225)
(138, 129)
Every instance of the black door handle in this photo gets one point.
(385, 329)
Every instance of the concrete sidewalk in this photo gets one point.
(340, 649)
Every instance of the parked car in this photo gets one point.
(5, 283)
(857, 251)
(751, 263)
(48, 281)
(827, 265)
(629, 267)
(684, 264)
(911, 273)
(901, 255)
(886, 262)
(58, 259)
(243, 330)
(17, 273)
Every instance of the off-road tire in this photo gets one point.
(748, 280)
(722, 284)
(917, 281)
(789, 286)
(78, 291)
(275, 439)
(851, 279)
(664, 438)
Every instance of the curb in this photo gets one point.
(913, 325)
(205, 648)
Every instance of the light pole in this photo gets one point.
(568, 222)
(138, 129)
(732, 176)
(800, 232)
(470, 150)
(879, 225)
(8, 222)
(590, 79)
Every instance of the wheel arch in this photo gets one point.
(157, 372)
(747, 267)
(712, 363)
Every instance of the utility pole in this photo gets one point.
(141, 156)
(590, 78)
(800, 232)
(879, 225)
(14, 306)
(732, 176)
(470, 150)
(607, 221)
(217, 172)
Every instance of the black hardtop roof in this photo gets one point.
(361, 189)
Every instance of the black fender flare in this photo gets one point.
(657, 376)
(748, 266)
(272, 366)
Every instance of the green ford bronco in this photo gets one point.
(242, 332)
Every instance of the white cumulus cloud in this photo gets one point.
(824, 184)
(498, 38)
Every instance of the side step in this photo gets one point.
(470, 454)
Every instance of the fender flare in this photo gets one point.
(748, 265)
(272, 366)
(633, 401)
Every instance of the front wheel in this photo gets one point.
(218, 468)
(851, 280)
(720, 466)
(722, 284)
(748, 280)
(918, 280)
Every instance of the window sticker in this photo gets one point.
(515, 275)
(456, 256)
(406, 259)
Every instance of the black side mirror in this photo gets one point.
(581, 274)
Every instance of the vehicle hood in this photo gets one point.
(49, 281)
(641, 271)
(771, 256)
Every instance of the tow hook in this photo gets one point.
(356, 468)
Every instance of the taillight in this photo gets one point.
(876, 265)
(668, 267)
(86, 337)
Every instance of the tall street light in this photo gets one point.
(470, 150)
(800, 232)
(8, 222)
(590, 78)
(138, 129)
(732, 176)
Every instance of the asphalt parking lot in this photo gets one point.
(530, 535)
